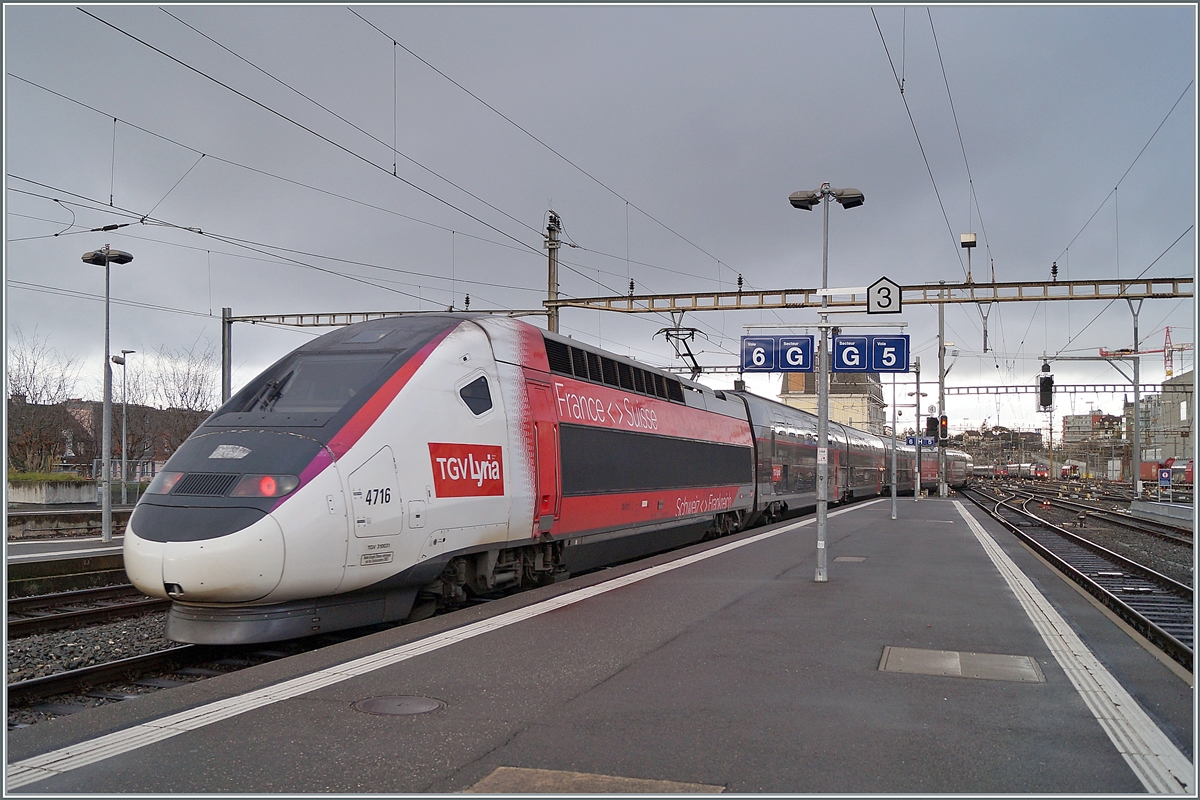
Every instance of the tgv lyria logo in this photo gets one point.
(466, 470)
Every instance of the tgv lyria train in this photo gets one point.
(394, 466)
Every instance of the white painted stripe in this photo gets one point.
(1158, 764)
(65, 759)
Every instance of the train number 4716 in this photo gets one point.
(377, 496)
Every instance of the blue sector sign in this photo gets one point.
(851, 354)
(870, 353)
(795, 354)
(1164, 477)
(777, 354)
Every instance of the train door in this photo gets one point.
(547, 506)
(376, 511)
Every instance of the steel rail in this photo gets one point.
(20, 605)
(1163, 530)
(1152, 631)
(57, 620)
(26, 691)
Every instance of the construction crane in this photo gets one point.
(1168, 350)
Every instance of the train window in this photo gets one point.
(559, 356)
(593, 362)
(580, 362)
(315, 383)
(626, 374)
(368, 336)
(477, 395)
(610, 372)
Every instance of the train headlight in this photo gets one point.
(265, 485)
(163, 482)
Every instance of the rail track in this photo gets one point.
(71, 691)
(1158, 607)
(1108, 509)
(49, 612)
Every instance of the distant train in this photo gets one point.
(392, 467)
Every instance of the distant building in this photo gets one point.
(1175, 435)
(855, 398)
(1090, 427)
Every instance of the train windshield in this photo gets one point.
(314, 384)
(305, 390)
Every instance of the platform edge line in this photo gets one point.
(1150, 754)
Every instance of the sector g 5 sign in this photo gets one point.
(870, 354)
(466, 470)
(777, 354)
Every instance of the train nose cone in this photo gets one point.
(238, 567)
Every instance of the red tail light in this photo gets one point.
(163, 482)
(265, 485)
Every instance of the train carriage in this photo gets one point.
(395, 466)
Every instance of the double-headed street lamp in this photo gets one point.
(102, 258)
(805, 200)
(124, 427)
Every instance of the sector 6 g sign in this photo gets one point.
(777, 354)
(758, 354)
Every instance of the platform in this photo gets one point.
(941, 656)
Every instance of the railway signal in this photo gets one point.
(1045, 392)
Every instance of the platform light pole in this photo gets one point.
(805, 200)
(103, 258)
(120, 360)
(894, 446)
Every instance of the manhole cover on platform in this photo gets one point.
(393, 706)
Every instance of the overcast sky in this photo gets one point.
(253, 150)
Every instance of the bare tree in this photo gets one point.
(40, 380)
(187, 378)
(39, 373)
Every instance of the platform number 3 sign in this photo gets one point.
(883, 297)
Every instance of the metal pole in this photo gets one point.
(226, 353)
(894, 477)
(822, 574)
(106, 424)
(124, 438)
(1137, 426)
(552, 228)
(917, 472)
(1053, 477)
(942, 489)
(1136, 458)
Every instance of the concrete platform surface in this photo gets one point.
(940, 657)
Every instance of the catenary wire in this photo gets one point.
(369, 135)
(305, 128)
(337, 195)
(519, 127)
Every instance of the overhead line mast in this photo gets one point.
(917, 294)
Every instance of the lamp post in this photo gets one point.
(102, 258)
(124, 428)
(805, 200)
